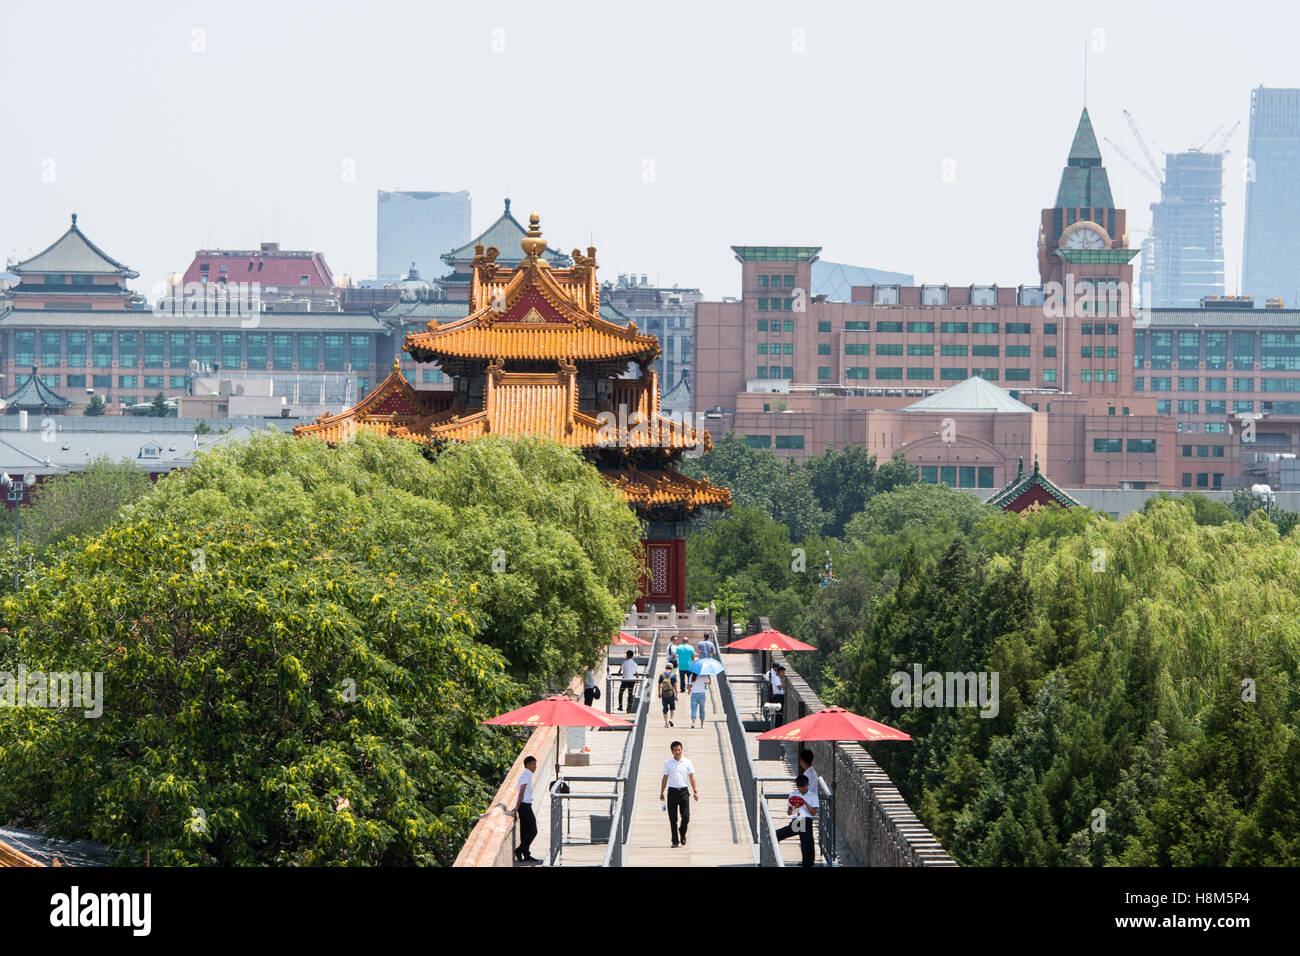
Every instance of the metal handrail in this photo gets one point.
(740, 751)
(629, 771)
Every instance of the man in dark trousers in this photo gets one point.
(802, 806)
(677, 774)
(524, 811)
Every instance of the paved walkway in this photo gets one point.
(718, 834)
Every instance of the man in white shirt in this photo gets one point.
(777, 675)
(677, 774)
(802, 807)
(524, 811)
(628, 686)
(806, 768)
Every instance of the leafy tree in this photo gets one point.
(918, 505)
(159, 407)
(757, 477)
(96, 406)
(203, 428)
(1206, 510)
(844, 481)
(83, 502)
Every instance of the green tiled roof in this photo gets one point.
(776, 253)
(505, 234)
(1023, 482)
(73, 252)
(34, 393)
(418, 309)
(1098, 256)
(1084, 182)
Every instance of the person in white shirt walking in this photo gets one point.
(806, 768)
(628, 686)
(524, 811)
(777, 675)
(677, 774)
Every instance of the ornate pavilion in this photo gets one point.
(534, 357)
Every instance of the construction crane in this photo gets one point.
(1142, 136)
(1157, 179)
(1218, 143)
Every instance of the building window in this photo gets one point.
(77, 349)
(988, 374)
(1243, 384)
(1085, 375)
(50, 380)
(857, 326)
(256, 343)
(1161, 384)
(758, 441)
(1188, 407)
(889, 326)
(153, 350)
(952, 350)
(1049, 375)
(985, 477)
(1138, 384)
(102, 381)
(960, 328)
(857, 371)
(153, 381)
(51, 348)
(948, 475)
(789, 441)
(1216, 350)
(823, 326)
(126, 381)
(923, 327)
(1017, 328)
(887, 349)
(205, 348)
(176, 381)
(1085, 351)
(128, 349)
(1216, 408)
(787, 325)
(891, 373)
(787, 371)
(762, 305)
(1188, 384)
(1017, 351)
(762, 282)
(823, 373)
(1162, 406)
(1216, 384)
(431, 376)
(1018, 374)
(232, 356)
(24, 349)
(787, 348)
(988, 351)
(762, 348)
(930, 474)
(1243, 350)
(1216, 428)
(1202, 479)
(179, 349)
(952, 374)
(1216, 451)
(925, 373)
(1142, 445)
(984, 328)
(334, 352)
(762, 325)
(1106, 446)
(823, 348)
(1049, 328)
(102, 348)
(308, 350)
(920, 350)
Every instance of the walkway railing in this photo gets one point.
(629, 770)
(761, 828)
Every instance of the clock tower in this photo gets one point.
(1084, 263)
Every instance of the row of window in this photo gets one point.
(947, 328)
(1139, 446)
(776, 305)
(230, 349)
(926, 373)
(1096, 375)
(776, 325)
(776, 281)
(1203, 480)
(1162, 383)
(1204, 451)
(1099, 351)
(958, 476)
(782, 441)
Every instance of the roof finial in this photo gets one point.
(1035, 463)
(397, 364)
(1020, 467)
(74, 220)
(507, 205)
(533, 244)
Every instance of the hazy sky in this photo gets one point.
(668, 131)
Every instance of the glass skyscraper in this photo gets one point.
(1184, 261)
(1271, 258)
(418, 226)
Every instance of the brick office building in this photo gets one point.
(796, 374)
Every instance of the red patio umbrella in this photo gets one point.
(769, 641)
(557, 711)
(626, 638)
(834, 724)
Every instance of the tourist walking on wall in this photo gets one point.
(524, 812)
(684, 654)
(699, 691)
(678, 773)
(668, 693)
(628, 685)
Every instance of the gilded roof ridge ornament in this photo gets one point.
(533, 244)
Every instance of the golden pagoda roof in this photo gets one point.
(647, 490)
(393, 408)
(533, 312)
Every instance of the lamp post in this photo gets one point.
(15, 489)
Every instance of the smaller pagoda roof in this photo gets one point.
(973, 395)
(394, 407)
(1024, 483)
(666, 490)
(73, 252)
(34, 393)
(505, 234)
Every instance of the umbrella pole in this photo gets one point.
(557, 753)
(835, 793)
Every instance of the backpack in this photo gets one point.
(666, 689)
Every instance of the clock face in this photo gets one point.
(1084, 237)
